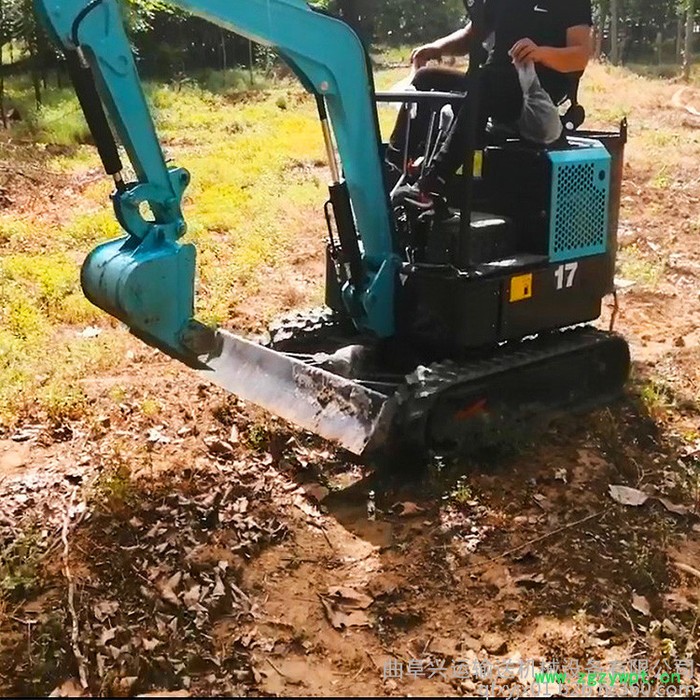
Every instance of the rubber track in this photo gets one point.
(424, 387)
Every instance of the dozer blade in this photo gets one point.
(326, 404)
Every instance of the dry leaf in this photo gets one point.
(155, 436)
(345, 607)
(542, 501)
(408, 509)
(68, 689)
(341, 619)
(219, 589)
(174, 581)
(90, 332)
(169, 596)
(150, 644)
(191, 597)
(673, 507)
(126, 685)
(107, 636)
(531, 580)
(627, 496)
(105, 609)
(641, 605)
(344, 595)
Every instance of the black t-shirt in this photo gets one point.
(545, 22)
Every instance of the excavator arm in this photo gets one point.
(146, 279)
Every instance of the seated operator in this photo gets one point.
(553, 34)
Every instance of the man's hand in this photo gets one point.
(526, 51)
(422, 55)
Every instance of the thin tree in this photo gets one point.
(689, 31)
(615, 32)
(3, 26)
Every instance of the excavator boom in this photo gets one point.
(146, 278)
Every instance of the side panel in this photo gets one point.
(562, 294)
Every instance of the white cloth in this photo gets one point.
(540, 121)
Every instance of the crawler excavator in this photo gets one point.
(438, 329)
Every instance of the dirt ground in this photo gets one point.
(175, 539)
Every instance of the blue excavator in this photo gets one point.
(441, 331)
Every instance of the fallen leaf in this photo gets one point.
(673, 507)
(627, 496)
(169, 596)
(641, 605)
(561, 475)
(105, 609)
(191, 597)
(305, 507)
(68, 689)
(219, 447)
(126, 685)
(345, 607)
(531, 580)
(90, 332)
(219, 589)
(344, 595)
(174, 581)
(542, 501)
(407, 509)
(150, 644)
(341, 619)
(107, 636)
(154, 436)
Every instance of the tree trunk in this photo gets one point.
(35, 70)
(688, 48)
(659, 46)
(224, 58)
(3, 114)
(679, 39)
(600, 30)
(614, 32)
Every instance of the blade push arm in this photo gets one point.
(147, 278)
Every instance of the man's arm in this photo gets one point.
(455, 44)
(571, 59)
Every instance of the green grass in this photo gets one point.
(258, 179)
(635, 266)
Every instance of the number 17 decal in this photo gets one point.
(566, 275)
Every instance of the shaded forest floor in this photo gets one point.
(157, 534)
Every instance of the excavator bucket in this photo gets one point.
(338, 409)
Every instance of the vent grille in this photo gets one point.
(579, 208)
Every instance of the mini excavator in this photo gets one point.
(437, 330)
